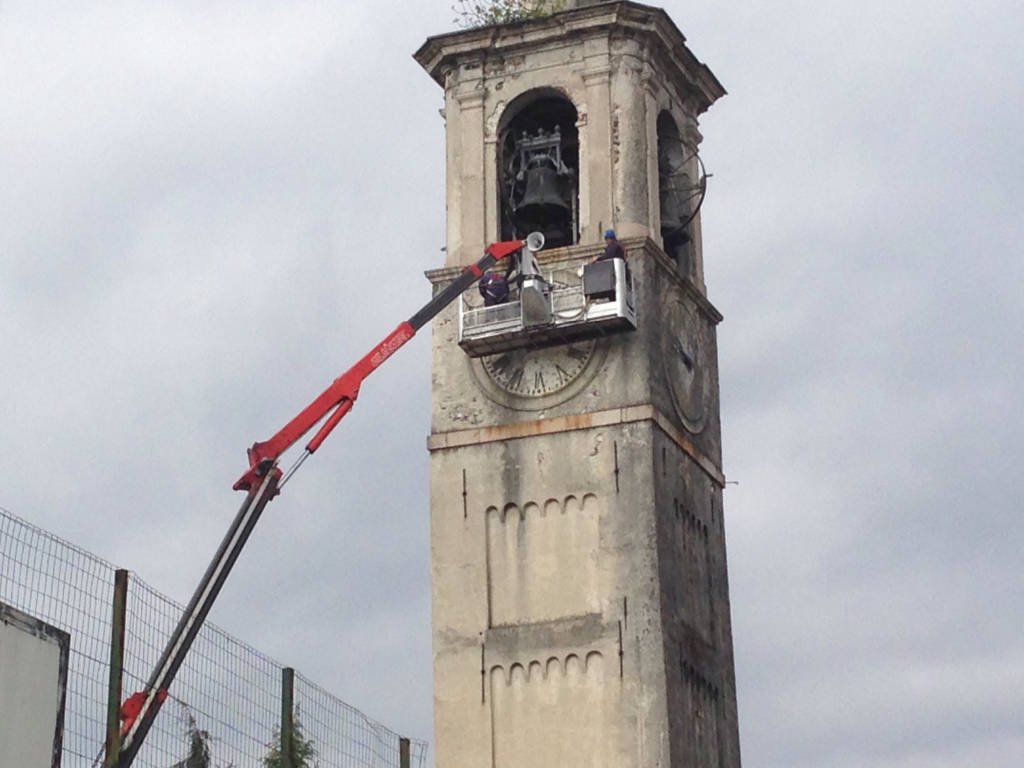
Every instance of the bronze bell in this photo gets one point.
(544, 190)
(671, 215)
(676, 199)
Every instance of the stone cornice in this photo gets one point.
(616, 416)
(669, 271)
(440, 53)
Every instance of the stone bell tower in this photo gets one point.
(580, 595)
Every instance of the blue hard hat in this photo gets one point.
(609, 233)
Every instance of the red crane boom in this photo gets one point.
(263, 480)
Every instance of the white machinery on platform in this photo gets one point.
(545, 312)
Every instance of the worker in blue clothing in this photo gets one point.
(494, 288)
(612, 249)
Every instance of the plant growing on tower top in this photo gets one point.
(480, 13)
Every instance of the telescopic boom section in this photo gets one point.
(337, 400)
(261, 482)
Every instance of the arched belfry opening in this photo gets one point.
(679, 194)
(538, 168)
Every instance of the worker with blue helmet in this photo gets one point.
(612, 249)
(493, 287)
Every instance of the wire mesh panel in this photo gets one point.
(499, 316)
(69, 588)
(225, 701)
(224, 708)
(340, 736)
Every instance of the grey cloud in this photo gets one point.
(212, 210)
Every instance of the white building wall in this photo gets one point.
(33, 679)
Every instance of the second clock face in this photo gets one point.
(536, 373)
(685, 359)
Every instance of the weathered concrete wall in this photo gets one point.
(553, 553)
(545, 601)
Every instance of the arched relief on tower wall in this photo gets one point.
(551, 712)
(694, 590)
(695, 610)
(701, 723)
(542, 559)
(691, 553)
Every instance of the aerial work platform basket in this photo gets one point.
(546, 312)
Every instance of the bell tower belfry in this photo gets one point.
(580, 595)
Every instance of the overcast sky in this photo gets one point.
(210, 209)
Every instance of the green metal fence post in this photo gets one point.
(113, 742)
(288, 718)
(403, 752)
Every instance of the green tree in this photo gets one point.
(480, 13)
(303, 751)
(198, 742)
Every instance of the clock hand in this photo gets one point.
(687, 360)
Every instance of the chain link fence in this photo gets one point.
(224, 710)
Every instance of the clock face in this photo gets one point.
(684, 354)
(539, 372)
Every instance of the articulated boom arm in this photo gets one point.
(339, 396)
(262, 480)
(338, 399)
